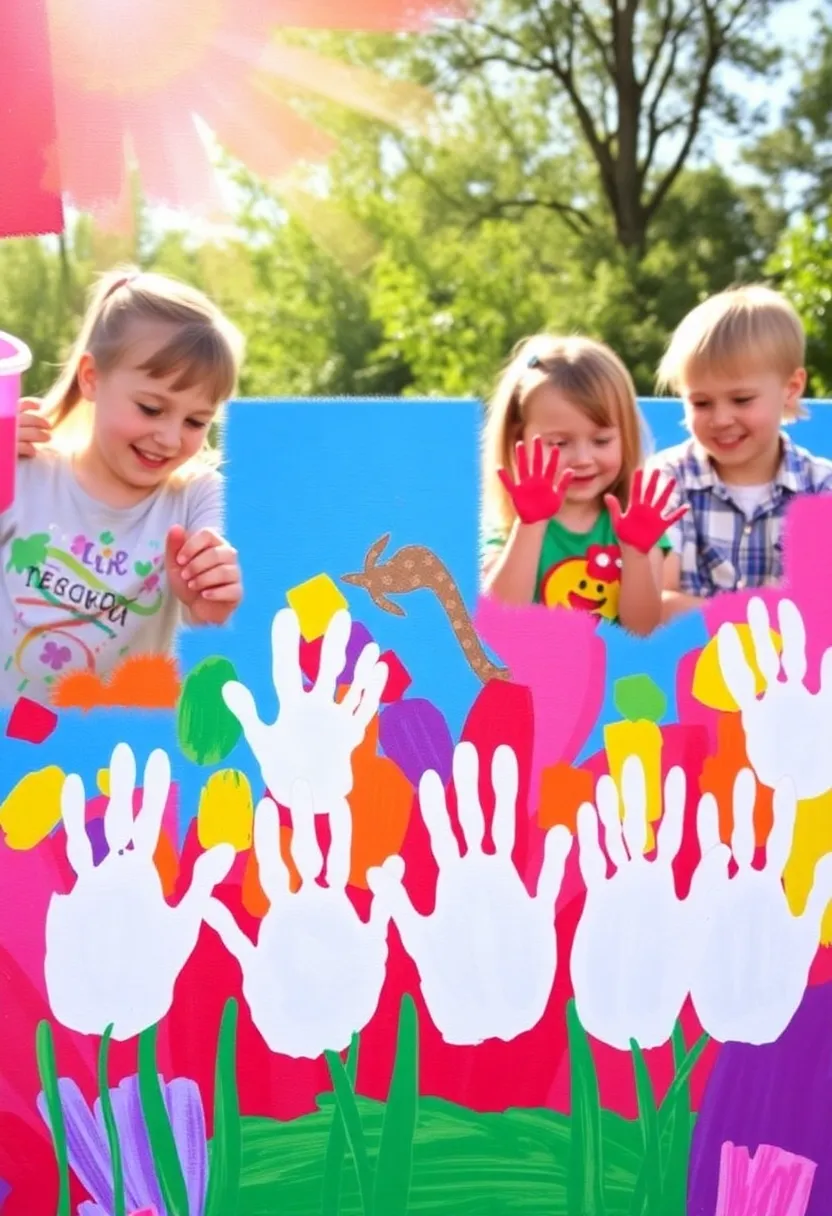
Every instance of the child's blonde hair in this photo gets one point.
(594, 380)
(732, 331)
(204, 348)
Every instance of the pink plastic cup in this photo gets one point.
(15, 359)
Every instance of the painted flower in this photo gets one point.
(89, 1153)
(151, 582)
(55, 656)
(78, 545)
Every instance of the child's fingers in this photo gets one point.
(208, 559)
(219, 576)
(27, 405)
(231, 593)
(33, 428)
(25, 451)
(205, 538)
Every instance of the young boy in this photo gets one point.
(737, 362)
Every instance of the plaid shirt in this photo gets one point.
(720, 548)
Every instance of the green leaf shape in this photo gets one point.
(648, 1117)
(159, 1131)
(337, 1143)
(395, 1155)
(585, 1187)
(206, 728)
(348, 1110)
(224, 1176)
(110, 1126)
(639, 699)
(48, 1071)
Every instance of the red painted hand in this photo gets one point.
(644, 522)
(537, 493)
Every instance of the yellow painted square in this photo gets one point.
(315, 603)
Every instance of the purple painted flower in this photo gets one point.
(79, 545)
(89, 1153)
(55, 656)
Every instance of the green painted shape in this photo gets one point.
(353, 1129)
(648, 1117)
(337, 1144)
(110, 1125)
(464, 1161)
(106, 538)
(639, 699)
(206, 728)
(143, 568)
(224, 1173)
(28, 551)
(159, 1131)
(585, 1180)
(48, 1070)
(395, 1155)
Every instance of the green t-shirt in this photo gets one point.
(580, 570)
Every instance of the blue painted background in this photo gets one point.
(311, 485)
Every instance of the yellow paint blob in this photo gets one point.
(812, 840)
(33, 808)
(642, 739)
(226, 811)
(708, 685)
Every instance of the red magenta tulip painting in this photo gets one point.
(93, 88)
(534, 930)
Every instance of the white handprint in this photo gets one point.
(629, 967)
(114, 948)
(314, 736)
(487, 954)
(753, 956)
(315, 976)
(786, 729)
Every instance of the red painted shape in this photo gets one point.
(30, 199)
(398, 678)
(31, 722)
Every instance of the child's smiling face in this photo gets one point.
(592, 452)
(144, 427)
(737, 417)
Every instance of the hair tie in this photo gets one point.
(124, 281)
(533, 361)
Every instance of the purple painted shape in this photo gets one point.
(779, 1094)
(414, 734)
(5, 1191)
(98, 840)
(359, 637)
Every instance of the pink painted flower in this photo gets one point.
(79, 544)
(55, 656)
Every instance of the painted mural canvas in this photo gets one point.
(387, 899)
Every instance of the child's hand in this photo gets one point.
(204, 574)
(32, 428)
(537, 494)
(644, 523)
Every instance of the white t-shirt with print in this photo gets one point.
(83, 584)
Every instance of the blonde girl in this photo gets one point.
(567, 520)
(116, 530)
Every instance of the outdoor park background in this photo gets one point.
(566, 179)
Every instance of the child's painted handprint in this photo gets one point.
(315, 976)
(537, 493)
(629, 963)
(114, 947)
(646, 519)
(753, 955)
(487, 954)
(314, 736)
(787, 728)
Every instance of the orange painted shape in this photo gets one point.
(167, 864)
(719, 773)
(143, 681)
(562, 791)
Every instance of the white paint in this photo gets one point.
(315, 976)
(787, 729)
(313, 738)
(630, 960)
(487, 954)
(752, 956)
(114, 948)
